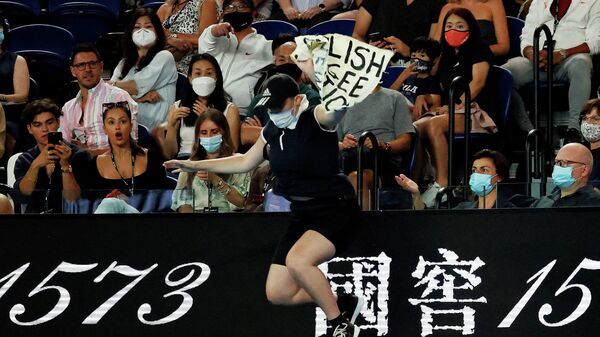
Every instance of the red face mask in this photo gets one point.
(456, 38)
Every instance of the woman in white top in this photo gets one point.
(147, 71)
(198, 190)
(205, 91)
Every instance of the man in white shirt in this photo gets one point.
(576, 30)
(240, 51)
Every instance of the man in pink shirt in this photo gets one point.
(81, 122)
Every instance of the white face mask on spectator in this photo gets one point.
(143, 37)
(204, 86)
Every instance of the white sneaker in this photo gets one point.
(429, 195)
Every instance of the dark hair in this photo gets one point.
(590, 105)
(40, 106)
(250, 3)
(218, 99)
(5, 29)
(280, 40)
(474, 34)
(427, 45)
(130, 54)
(500, 161)
(85, 47)
(123, 105)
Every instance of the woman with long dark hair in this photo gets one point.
(14, 73)
(463, 54)
(205, 91)
(147, 71)
(195, 191)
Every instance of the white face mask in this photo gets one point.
(591, 132)
(143, 37)
(204, 86)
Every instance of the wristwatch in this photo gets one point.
(67, 169)
(563, 54)
(388, 147)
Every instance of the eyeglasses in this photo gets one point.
(112, 105)
(234, 6)
(83, 65)
(565, 163)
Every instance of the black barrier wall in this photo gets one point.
(477, 273)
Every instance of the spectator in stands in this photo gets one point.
(351, 14)
(183, 22)
(44, 173)
(384, 113)
(489, 169)
(257, 116)
(307, 13)
(576, 33)
(195, 191)
(463, 54)
(125, 168)
(205, 92)
(6, 206)
(590, 129)
(491, 19)
(241, 52)
(572, 168)
(81, 120)
(416, 82)
(14, 73)
(2, 131)
(147, 72)
(396, 24)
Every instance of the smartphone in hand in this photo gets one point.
(54, 137)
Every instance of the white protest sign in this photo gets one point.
(344, 69)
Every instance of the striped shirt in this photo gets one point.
(91, 131)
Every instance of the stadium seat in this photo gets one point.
(272, 28)
(10, 169)
(144, 137)
(42, 37)
(50, 71)
(515, 26)
(181, 86)
(154, 5)
(342, 26)
(110, 47)
(20, 12)
(34, 90)
(390, 75)
(86, 20)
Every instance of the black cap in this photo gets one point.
(279, 87)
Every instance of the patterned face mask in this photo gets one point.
(591, 132)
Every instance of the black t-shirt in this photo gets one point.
(414, 86)
(395, 18)
(305, 159)
(595, 174)
(461, 64)
(7, 69)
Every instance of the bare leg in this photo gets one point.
(367, 185)
(436, 131)
(282, 289)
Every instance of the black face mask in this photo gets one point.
(289, 69)
(238, 20)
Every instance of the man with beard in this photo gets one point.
(256, 117)
(241, 52)
(81, 120)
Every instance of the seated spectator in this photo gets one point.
(572, 168)
(351, 14)
(14, 73)
(257, 116)
(590, 129)
(81, 120)
(44, 175)
(396, 24)
(125, 167)
(489, 169)
(385, 113)
(576, 37)
(491, 19)
(196, 191)
(6, 206)
(307, 13)
(147, 71)
(205, 92)
(416, 82)
(183, 21)
(463, 54)
(242, 53)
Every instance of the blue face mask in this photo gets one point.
(284, 119)
(563, 176)
(211, 144)
(481, 183)
(1, 37)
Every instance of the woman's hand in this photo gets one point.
(180, 44)
(310, 13)
(407, 184)
(208, 176)
(397, 46)
(349, 141)
(200, 106)
(180, 165)
(176, 114)
(150, 97)
(290, 13)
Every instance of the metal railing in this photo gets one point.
(459, 82)
(375, 187)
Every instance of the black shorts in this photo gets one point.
(334, 218)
